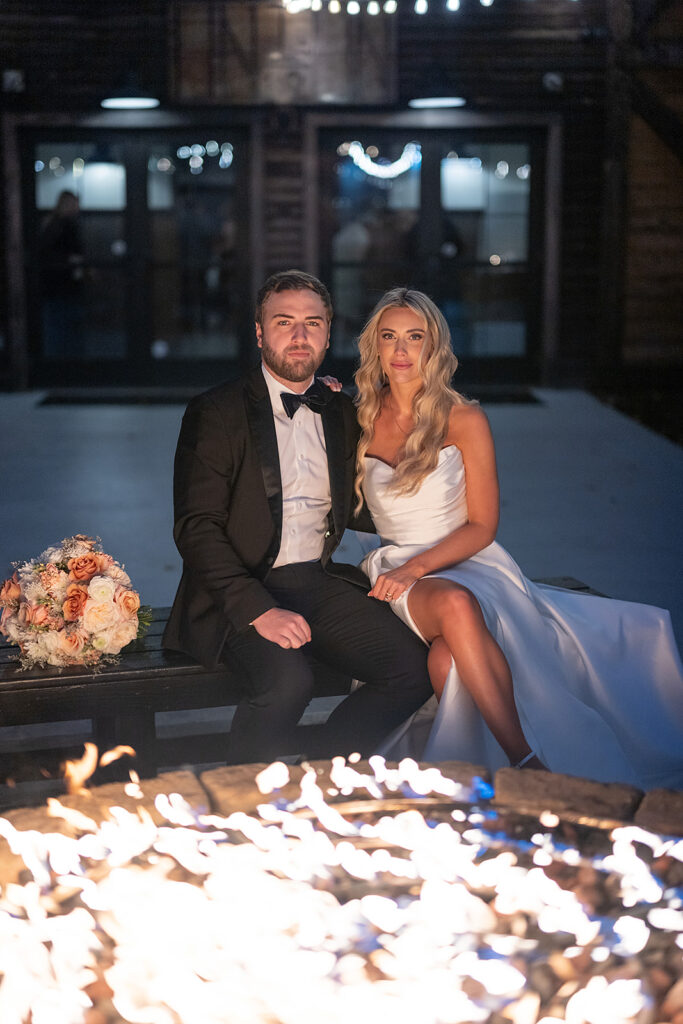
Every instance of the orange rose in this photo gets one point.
(83, 568)
(127, 602)
(11, 591)
(74, 604)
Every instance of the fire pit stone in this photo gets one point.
(576, 799)
(662, 811)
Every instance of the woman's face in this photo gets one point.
(401, 334)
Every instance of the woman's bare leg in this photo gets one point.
(439, 664)
(448, 614)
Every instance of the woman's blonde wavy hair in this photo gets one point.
(432, 403)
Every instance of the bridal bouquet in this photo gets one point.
(73, 605)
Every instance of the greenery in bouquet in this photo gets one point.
(73, 605)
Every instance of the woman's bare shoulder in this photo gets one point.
(467, 423)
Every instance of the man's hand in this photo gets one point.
(282, 627)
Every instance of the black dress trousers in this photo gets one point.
(351, 632)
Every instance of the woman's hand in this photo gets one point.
(390, 585)
(332, 383)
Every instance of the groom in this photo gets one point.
(263, 488)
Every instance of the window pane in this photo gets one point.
(91, 171)
(375, 211)
(80, 189)
(195, 300)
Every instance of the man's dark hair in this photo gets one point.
(294, 281)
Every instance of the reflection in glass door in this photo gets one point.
(135, 274)
(80, 200)
(448, 213)
(195, 236)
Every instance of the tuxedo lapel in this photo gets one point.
(262, 427)
(333, 428)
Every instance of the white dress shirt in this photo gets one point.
(306, 498)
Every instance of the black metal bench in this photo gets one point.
(120, 703)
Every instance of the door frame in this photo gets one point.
(427, 120)
(17, 132)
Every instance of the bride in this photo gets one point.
(522, 673)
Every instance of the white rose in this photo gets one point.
(117, 636)
(101, 589)
(46, 647)
(98, 615)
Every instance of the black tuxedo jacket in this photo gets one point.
(228, 510)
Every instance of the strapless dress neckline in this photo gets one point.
(383, 462)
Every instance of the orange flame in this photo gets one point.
(76, 772)
(115, 753)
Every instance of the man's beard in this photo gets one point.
(296, 370)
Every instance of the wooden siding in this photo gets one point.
(654, 265)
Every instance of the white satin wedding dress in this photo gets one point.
(598, 683)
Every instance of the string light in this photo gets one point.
(410, 157)
(371, 7)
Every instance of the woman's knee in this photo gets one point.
(457, 605)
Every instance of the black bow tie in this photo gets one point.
(315, 399)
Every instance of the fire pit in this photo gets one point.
(339, 892)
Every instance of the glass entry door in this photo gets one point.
(454, 214)
(138, 257)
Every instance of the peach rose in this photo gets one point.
(127, 602)
(11, 591)
(104, 562)
(74, 604)
(98, 616)
(71, 643)
(7, 616)
(36, 614)
(83, 568)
